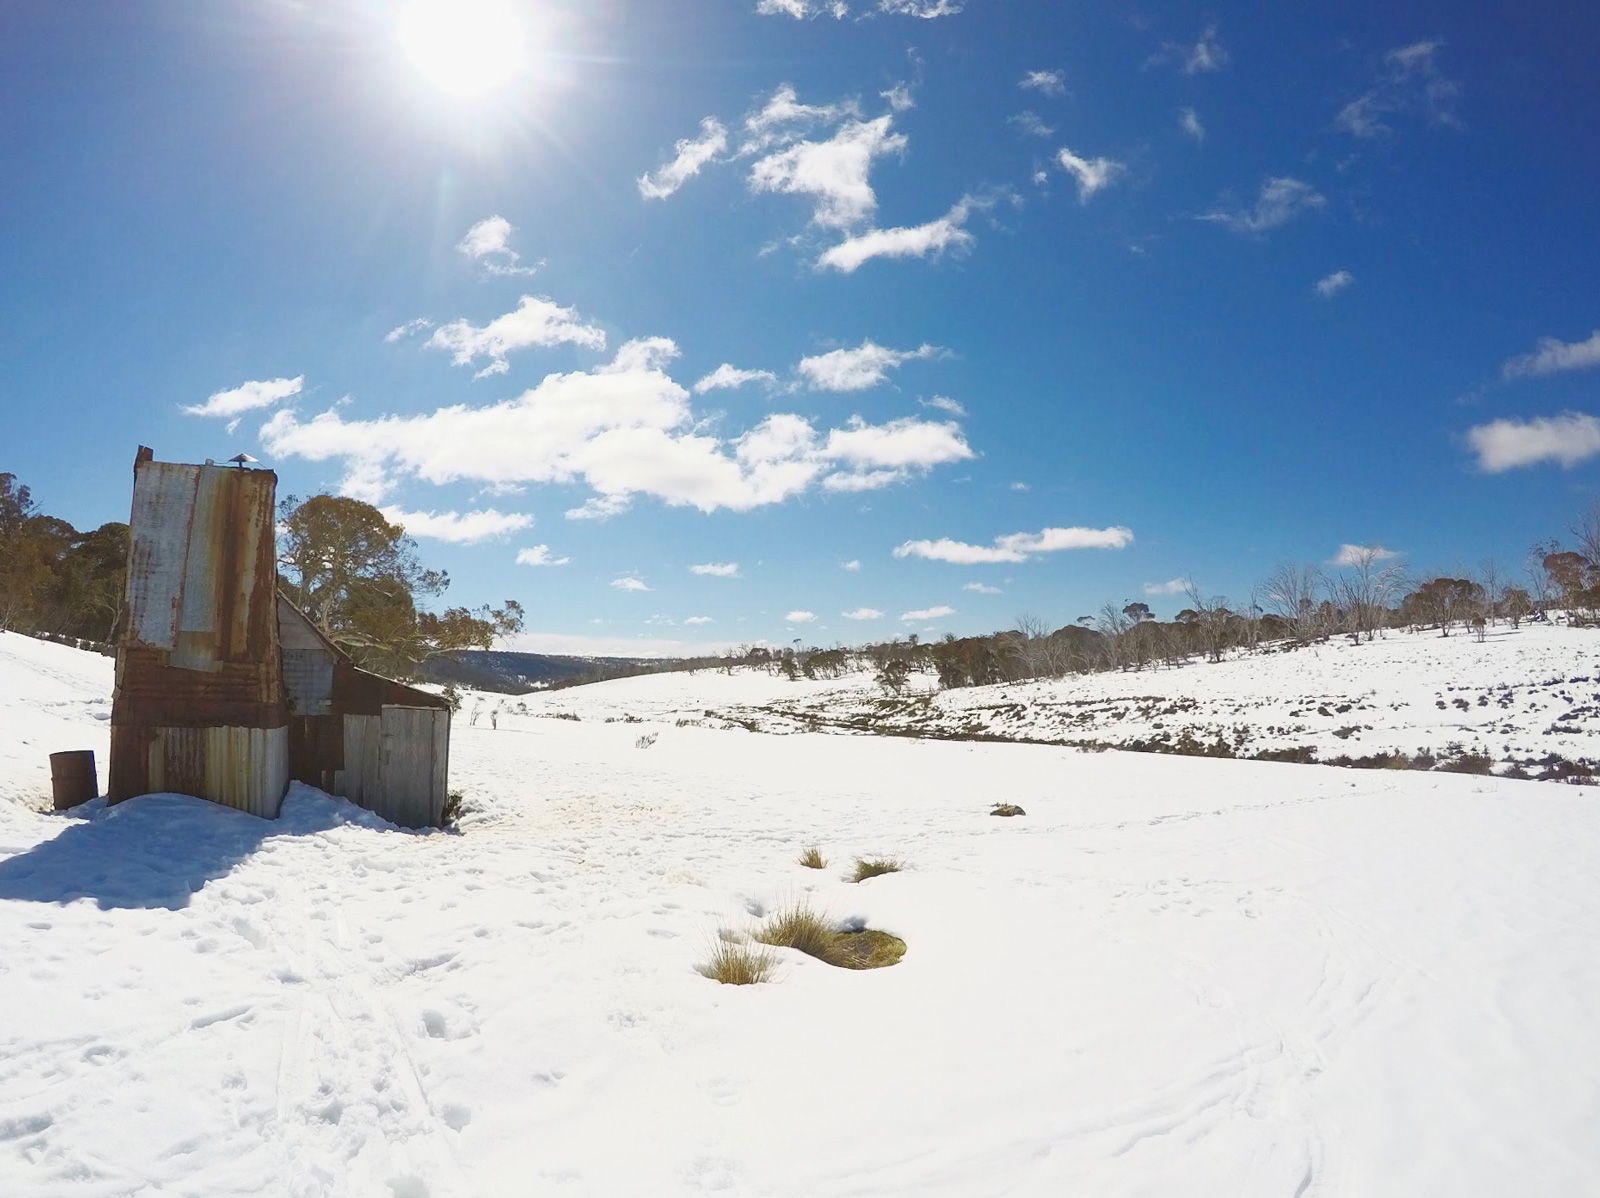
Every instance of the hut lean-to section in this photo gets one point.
(226, 691)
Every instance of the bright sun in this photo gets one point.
(465, 47)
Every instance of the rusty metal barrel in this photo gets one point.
(72, 778)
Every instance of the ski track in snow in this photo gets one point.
(1172, 976)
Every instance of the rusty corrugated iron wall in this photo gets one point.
(199, 705)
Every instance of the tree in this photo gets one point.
(1291, 594)
(357, 576)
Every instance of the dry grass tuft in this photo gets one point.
(812, 858)
(1007, 809)
(736, 963)
(803, 927)
(878, 865)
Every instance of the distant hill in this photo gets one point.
(518, 673)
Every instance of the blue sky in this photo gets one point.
(1029, 306)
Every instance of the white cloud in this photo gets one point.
(980, 588)
(247, 397)
(410, 329)
(1567, 439)
(690, 155)
(1018, 546)
(926, 9)
(782, 119)
(1206, 54)
(625, 429)
(800, 617)
(599, 507)
(1020, 486)
(1030, 122)
(717, 569)
(863, 613)
(489, 243)
(539, 555)
(832, 173)
(1409, 81)
(1049, 83)
(801, 9)
(1280, 201)
(927, 613)
(1189, 122)
(629, 584)
(852, 564)
(899, 97)
(537, 321)
(858, 369)
(728, 375)
(699, 620)
(1355, 555)
(1092, 174)
(458, 528)
(1554, 356)
(945, 404)
(913, 241)
(1331, 285)
(1173, 586)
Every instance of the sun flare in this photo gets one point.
(464, 47)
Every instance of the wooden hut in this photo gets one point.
(226, 691)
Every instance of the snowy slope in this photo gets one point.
(1517, 696)
(1172, 976)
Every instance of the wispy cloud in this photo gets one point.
(410, 329)
(853, 564)
(980, 588)
(926, 9)
(1032, 123)
(1331, 285)
(1049, 83)
(1280, 201)
(1189, 122)
(247, 397)
(863, 613)
(1553, 356)
(801, 9)
(539, 555)
(858, 369)
(1018, 546)
(1206, 53)
(536, 322)
(459, 528)
(690, 154)
(948, 232)
(1567, 439)
(927, 613)
(799, 617)
(899, 97)
(1358, 555)
(945, 404)
(716, 569)
(1173, 586)
(730, 376)
(488, 243)
(629, 584)
(699, 620)
(1092, 174)
(1409, 81)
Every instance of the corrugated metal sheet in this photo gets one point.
(199, 705)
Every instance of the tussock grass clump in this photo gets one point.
(812, 858)
(803, 927)
(873, 868)
(736, 963)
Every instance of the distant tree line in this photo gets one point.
(54, 580)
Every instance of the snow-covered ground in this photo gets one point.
(1171, 976)
(1517, 696)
